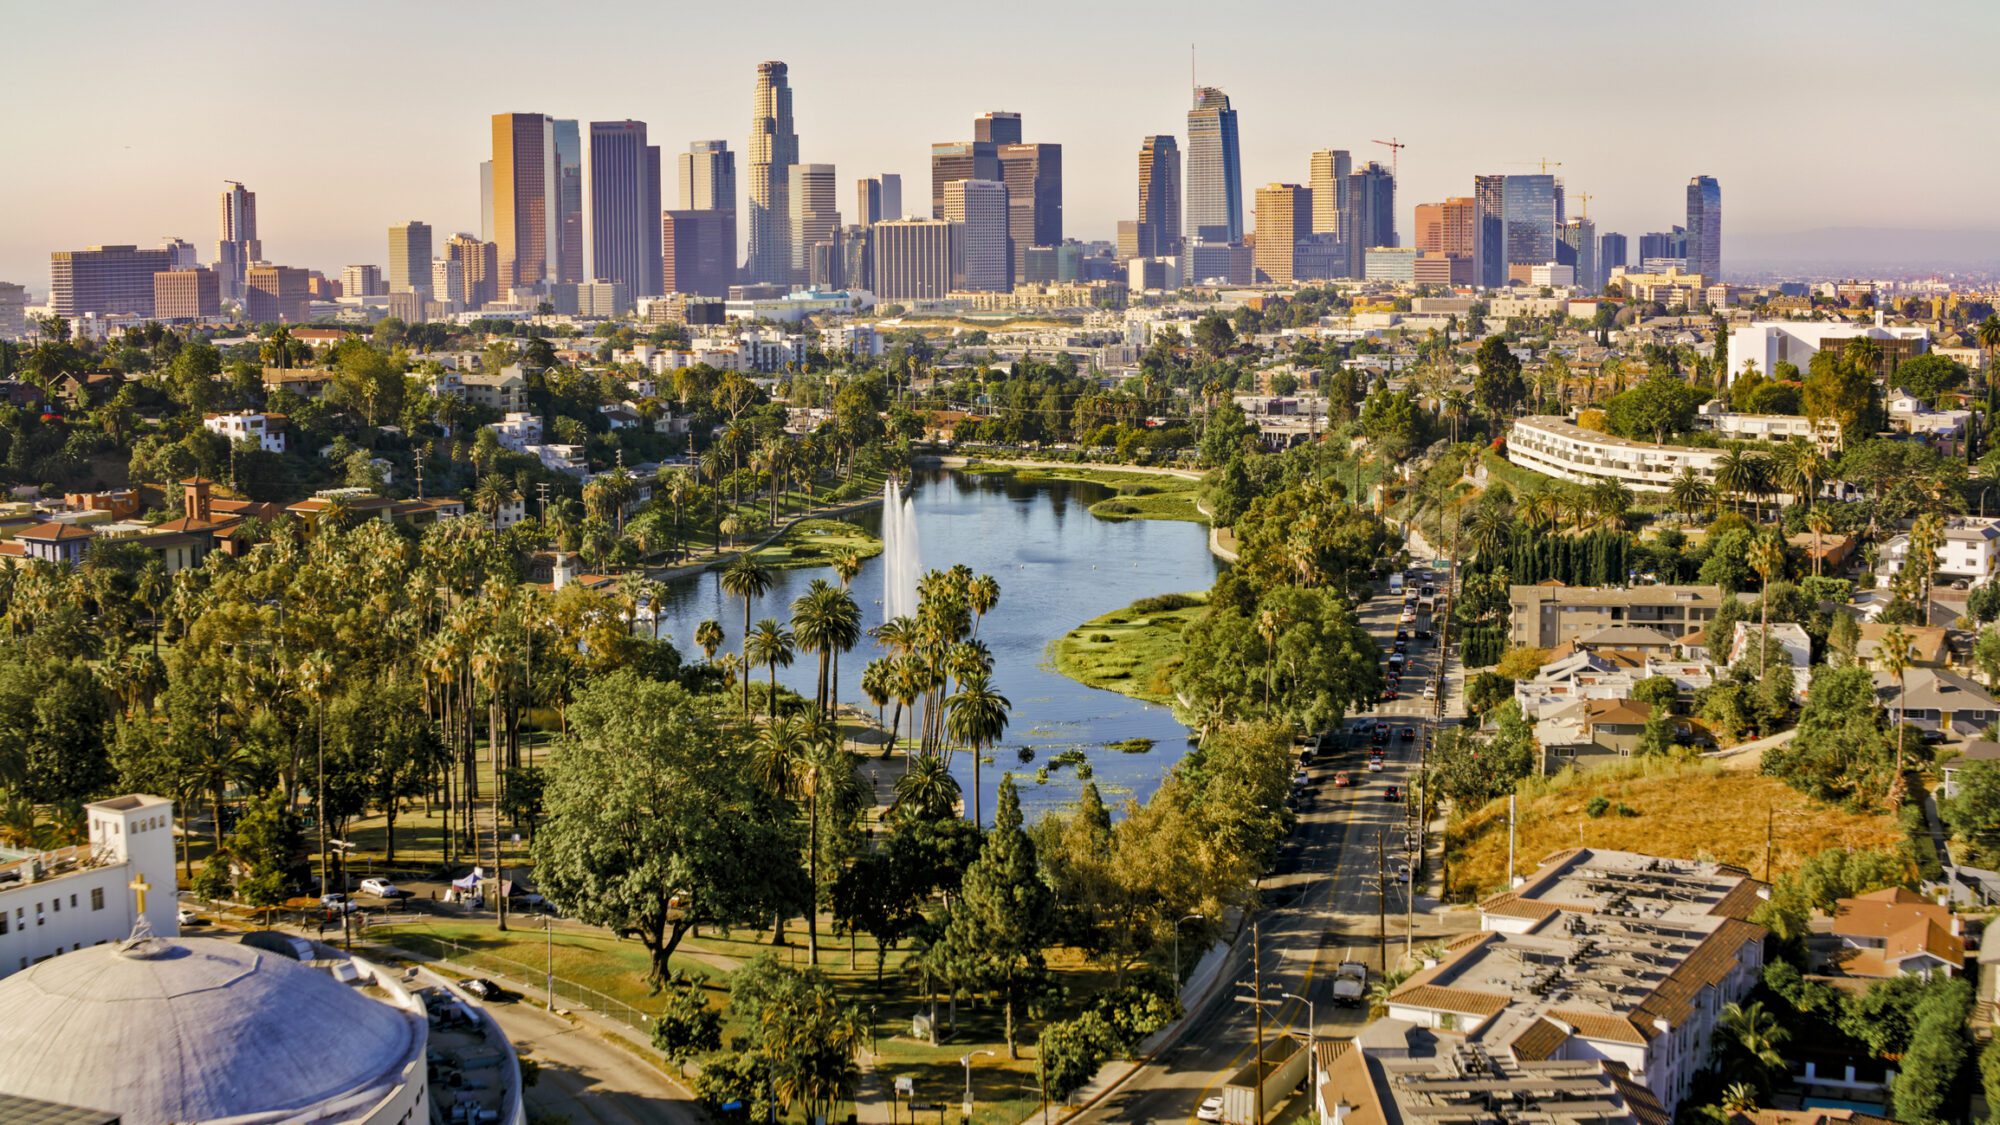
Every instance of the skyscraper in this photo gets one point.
(362, 281)
(1034, 179)
(486, 200)
(997, 128)
(1577, 245)
(448, 281)
(1448, 228)
(1284, 215)
(237, 245)
(623, 208)
(526, 203)
(276, 293)
(105, 280)
(914, 258)
(815, 212)
(410, 257)
(698, 251)
(1159, 226)
(1610, 252)
(892, 195)
(570, 251)
(960, 160)
(1664, 245)
(1489, 225)
(708, 177)
(774, 148)
(1214, 169)
(481, 264)
(1704, 227)
(1528, 219)
(868, 201)
(980, 208)
(1330, 168)
(1368, 220)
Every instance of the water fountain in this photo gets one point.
(900, 565)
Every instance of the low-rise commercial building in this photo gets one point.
(1766, 343)
(1547, 616)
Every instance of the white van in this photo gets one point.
(1396, 584)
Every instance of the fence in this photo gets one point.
(568, 993)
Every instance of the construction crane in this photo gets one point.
(1544, 163)
(1395, 148)
(1583, 204)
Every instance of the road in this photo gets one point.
(1322, 908)
(585, 1078)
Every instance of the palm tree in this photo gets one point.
(1383, 987)
(1766, 557)
(748, 579)
(812, 625)
(493, 665)
(978, 719)
(1819, 524)
(775, 754)
(845, 567)
(493, 492)
(772, 645)
(1749, 1037)
(981, 595)
(1988, 335)
(1490, 531)
(316, 681)
(708, 635)
(927, 787)
(824, 769)
(1732, 475)
(875, 684)
(1896, 662)
(1688, 493)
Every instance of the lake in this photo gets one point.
(1058, 566)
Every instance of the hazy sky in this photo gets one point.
(124, 118)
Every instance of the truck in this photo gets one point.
(1350, 984)
(1282, 1068)
(1396, 584)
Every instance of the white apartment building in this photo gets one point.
(1563, 450)
(1768, 343)
(1716, 417)
(1553, 275)
(857, 341)
(517, 431)
(56, 901)
(267, 430)
(1971, 550)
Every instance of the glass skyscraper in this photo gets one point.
(1214, 169)
(1704, 228)
(1159, 234)
(1529, 213)
(774, 148)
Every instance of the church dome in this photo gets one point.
(196, 1029)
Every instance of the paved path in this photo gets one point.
(586, 1078)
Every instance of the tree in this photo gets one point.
(1895, 656)
(978, 718)
(748, 579)
(1746, 1044)
(999, 924)
(1767, 558)
(1939, 1043)
(1071, 1052)
(1498, 386)
(927, 789)
(769, 644)
(1658, 406)
(686, 1026)
(1837, 389)
(651, 831)
(805, 1035)
(1973, 811)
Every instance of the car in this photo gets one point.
(382, 888)
(186, 917)
(1932, 737)
(1211, 1109)
(1381, 735)
(1430, 691)
(1402, 634)
(1389, 695)
(332, 899)
(1423, 634)
(486, 990)
(1350, 984)
(1343, 780)
(1402, 873)
(1393, 793)
(1429, 591)
(1301, 779)
(1407, 734)
(1374, 765)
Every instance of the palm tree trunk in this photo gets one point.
(812, 909)
(746, 656)
(493, 755)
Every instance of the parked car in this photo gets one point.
(487, 990)
(382, 888)
(1211, 1109)
(187, 917)
(1430, 691)
(1342, 780)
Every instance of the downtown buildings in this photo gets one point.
(774, 148)
(1214, 169)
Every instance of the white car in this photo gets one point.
(1211, 1109)
(382, 888)
(186, 917)
(1374, 765)
(1430, 691)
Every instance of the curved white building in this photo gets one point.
(1569, 452)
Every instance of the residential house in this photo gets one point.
(1896, 932)
(1789, 643)
(1971, 550)
(1937, 699)
(55, 542)
(1908, 414)
(1830, 549)
(1573, 674)
(502, 392)
(1591, 731)
(267, 430)
(517, 431)
(1974, 750)
(305, 382)
(1546, 616)
(1929, 645)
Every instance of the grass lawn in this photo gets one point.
(809, 543)
(1141, 496)
(1683, 810)
(1132, 651)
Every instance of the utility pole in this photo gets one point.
(1257, 971)
(1381, 903)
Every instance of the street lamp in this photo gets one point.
(967, 1060)
(1312, 1020)
(1177, 946)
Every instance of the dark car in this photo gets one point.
(1392, 793)
(1381, 735)
(487, 990)
(1423, 634)
(1389, 695)
(1402, 634)
(1407, 734)
(1402, 648)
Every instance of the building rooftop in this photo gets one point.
(1621, 595)
(1396, 1072)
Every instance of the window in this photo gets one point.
(72, 902)
(56, 905)
(3, 922)
(97, 898)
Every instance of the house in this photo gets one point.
(267, 430)
(1971, 550)
(1600, 729)
(1973, 750)
(517, 431)
(206, 524)
(305, 382)
(618, 416)
(1937, 699)
(1830, 549)
(1574, 674)
(55, 542)
(1641, 639)
(1929, 645)
(1546, 616)
(1908, 414)
(502, 392)
(1788, 643)
(1897, 932)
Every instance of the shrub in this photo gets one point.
(1100, 638)
(1165, 603)
(1597, 806)
(1626, 810)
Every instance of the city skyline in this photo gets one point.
(324, 209)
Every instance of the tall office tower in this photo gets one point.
(1158, 233)
(980, 208)
(486, 200)
(698, 252)
(362, 281)
(960, 160)
(238, 244)
(1033, 175)
(914, 258)
(1284, 216)
(526, 204)
(183, 294)
(409, 257)
(1489, 228)
(1528, 223)
(1368, 221)
(481, 263)
(1610, 253)
(1214, 169)
(276, 293)
(815, 213)
(868, 201)
(1577, 241)
(857, 266)
(1704, 227)
(13, 311)
(182, 253)
(708, 177)
(1126, 245)
(997, 128)
(570, 252)
(622, 203)
(774, 148)
(892, 195)
(1448, 228)
(448, 281)
(1664, 244)
(105, 280)
(1429, 233)
(1329, 171)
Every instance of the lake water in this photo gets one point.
(1058, 566)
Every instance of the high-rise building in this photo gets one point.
(914, 258)
(237, 245)
(1528, 223)
(448, 281)
(1034, 179)
(1610, 253)
(892, 195)
(409, 257)
(1664, 244)
(13, 310)
(527, 226)
(570, 253)
(815, 212)
(1214, 169)
(623, 207)
(1704, 227)
(480, 262)
(181, 253)
(1368, 221)
(868, 201)
(1449, 228)
(1158, 233)
(857, 267)
(960, 160)
(486, 200)
(276, 293)
(1329, 170)
(698, 252)
(1577, 242)
(980, 208)
(1053, 265)
(708, 177)
(1284, 216)
(1489, 227)
(997, 128)
(184, 294)
(363, 281)
(774, 148)
(1126, 245)
(106, 280)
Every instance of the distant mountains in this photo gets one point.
(1865, 249)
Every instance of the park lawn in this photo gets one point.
(817, 542)
(1132, 651)
(1683, 810)
(1141, 496)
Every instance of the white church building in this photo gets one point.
(67, 898)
